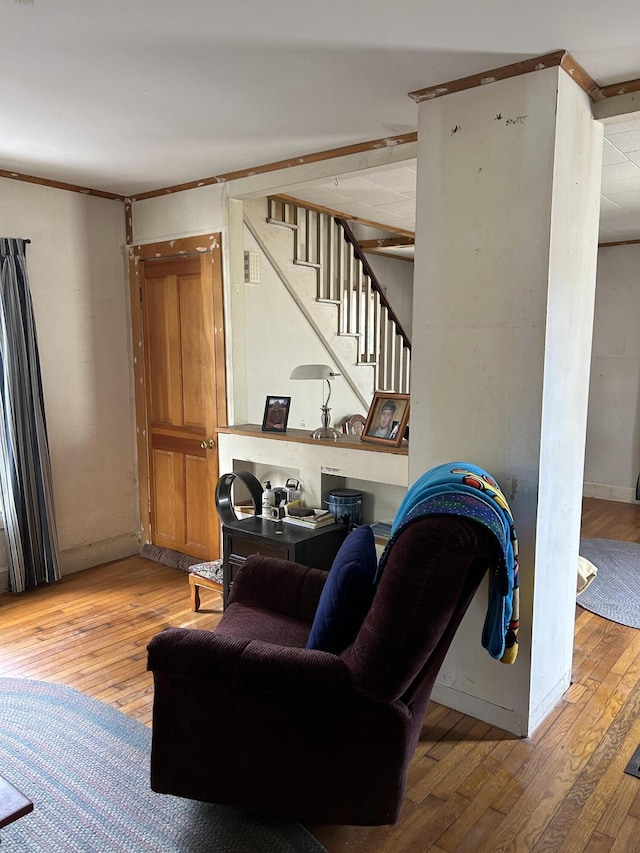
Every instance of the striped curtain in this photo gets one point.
(25, 472)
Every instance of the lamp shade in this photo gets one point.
(313, 371)
(324, 372)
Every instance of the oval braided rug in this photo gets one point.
(614, 593)
(85, 765)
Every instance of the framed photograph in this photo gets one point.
(354, 425)
(276, 414)
(387, 419)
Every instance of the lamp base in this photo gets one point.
(326, 431)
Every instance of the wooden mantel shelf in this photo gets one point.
(319, 465)
(303, 436)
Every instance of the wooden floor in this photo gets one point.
(472, 787)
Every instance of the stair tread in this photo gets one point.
(307, 264)
(282, 224)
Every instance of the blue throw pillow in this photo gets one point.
(347, 594)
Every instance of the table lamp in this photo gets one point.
(319, 371)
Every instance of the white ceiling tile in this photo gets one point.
(398, 180)
(322, 197)
(619, 177)
(621, 126)
(377, 196)
(610, 154)
(634, 157)
(623, 231)
(365, 211)
(406, 207)
(628, 201)
(627, 141)
(325, 184)
(350, 184)
(607, 206)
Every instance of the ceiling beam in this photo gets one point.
(386, 242)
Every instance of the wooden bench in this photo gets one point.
(195, 582)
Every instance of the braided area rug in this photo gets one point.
(85, 765)
(614, 593)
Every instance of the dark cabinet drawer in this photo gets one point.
(246, 548)
(242, 539)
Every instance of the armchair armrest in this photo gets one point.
(246, 664)
(279, 585)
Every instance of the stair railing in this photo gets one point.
(326, 243)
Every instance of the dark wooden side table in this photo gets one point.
(13, 803)
(256, 535)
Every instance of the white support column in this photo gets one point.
(506, 243)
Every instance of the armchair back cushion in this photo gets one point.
(347, 594)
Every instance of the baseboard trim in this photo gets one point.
(87, 556)
(504, 718)
(96, 553)
(605, 492)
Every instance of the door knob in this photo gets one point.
(210, 444)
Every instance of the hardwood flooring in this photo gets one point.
(472, 787)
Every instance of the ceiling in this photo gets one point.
(128, 97)
(387, 194)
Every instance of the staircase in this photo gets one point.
(344, 278)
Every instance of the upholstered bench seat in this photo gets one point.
(206, 575)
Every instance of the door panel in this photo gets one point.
(196, 343)
(169, 486)
(182, 399)
(160, 299)
(197, 503)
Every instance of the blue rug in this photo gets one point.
(85, 765)
(614, 593)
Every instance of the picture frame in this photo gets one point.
(354, 425)
(276, 413)
(387, 419)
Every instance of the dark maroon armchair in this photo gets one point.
(246, 715)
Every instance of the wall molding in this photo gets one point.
(621, 494)
(559, 58)
(279, 165)
(60, 185)
(618, 243)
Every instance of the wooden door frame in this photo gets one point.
(203, 244)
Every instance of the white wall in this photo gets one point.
(278, 338)
(506, 239)
(79, 285)
(612, 461)
(183, 214)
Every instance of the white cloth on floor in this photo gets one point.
(586, 573)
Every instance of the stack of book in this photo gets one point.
(381, 532)
(320, 518)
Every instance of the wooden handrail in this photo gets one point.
(350, 238)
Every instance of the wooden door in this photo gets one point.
(181, 301)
